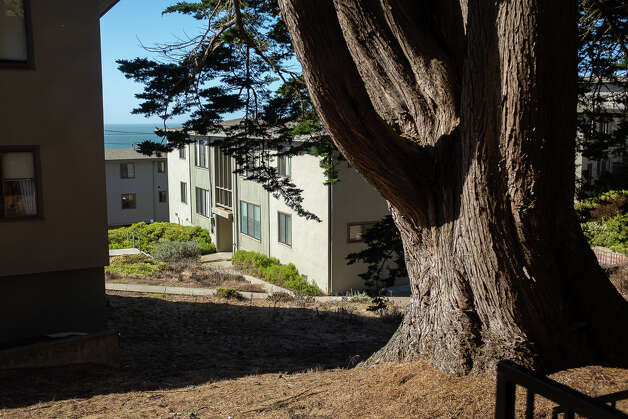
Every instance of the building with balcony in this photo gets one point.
(241, 214)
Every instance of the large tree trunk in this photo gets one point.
(462, 114)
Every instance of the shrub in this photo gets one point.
(271, 270)
(161, 232)
(612, 234)
(174, 251)
(602, 207)
(134, 266)
(229, 293)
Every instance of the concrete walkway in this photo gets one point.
(121, 252)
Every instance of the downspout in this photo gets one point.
(330, 220)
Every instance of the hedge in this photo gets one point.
(161, 232)
(271, 270)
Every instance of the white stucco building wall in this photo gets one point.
(179, 172)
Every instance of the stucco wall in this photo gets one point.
(199, 177)
(145, 185)
(254, 193)
(58, 106)
(353, 200)
(179, 171)
(309, 249)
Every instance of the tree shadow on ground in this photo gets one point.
(166, 345)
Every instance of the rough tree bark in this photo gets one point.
(462, 114)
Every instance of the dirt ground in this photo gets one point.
(203, 357)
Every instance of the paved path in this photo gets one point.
(120, 252)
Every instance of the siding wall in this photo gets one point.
(199, 177)
(353, 200)
(179, 171)
(253, 193)
(309, 249)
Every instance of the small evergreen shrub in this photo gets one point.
(174, 251)
(271, 270)
(161, 232)
(229, 294)
(612, 234)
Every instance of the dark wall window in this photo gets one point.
(15, 34)
(200, 154)
(161, 167)
(163, 196)
(182, 153)
(251, 220)
(202, 202)
(127, 170)
(18, 183)
(128, 201)
(285, 228)
(184, 192)
(355, 231)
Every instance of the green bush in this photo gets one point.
(271, 270)
(612, 234)
(174, 251)
(134, 266)
(604, 206)
(161, 232)
(229, 293)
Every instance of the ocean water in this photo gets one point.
(126, 135)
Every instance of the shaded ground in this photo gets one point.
(177, 341)
(197, 357)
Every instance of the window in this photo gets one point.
(182, 152)
(200, 154)
(184, 192)
(15, 34)
(355, 231)
(222, 173)
(161, 167)
(250, 220)
(128, 201)
(202, 202)
(127, 171)
(163, 196)
(285, 228)
(18, 184)
(284, 166)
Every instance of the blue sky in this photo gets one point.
(121, 30)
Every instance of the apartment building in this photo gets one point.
(53, 241)
(241, 214)
(137, 187)
(589, 171)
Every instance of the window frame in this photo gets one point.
(165, 194)
(205, 200)
(183, 190)
(160, 165)
(182, 153)
(364, 224)
(127, 171)
(286, 217)
(38, 183)
(284, 169)
(198, 162)
(29, 64)
(242, 224)
(134, 201)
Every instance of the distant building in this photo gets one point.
(53, 243)
(137, 187)
(240, 214)
(613, 113)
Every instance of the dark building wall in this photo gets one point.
(34, 305)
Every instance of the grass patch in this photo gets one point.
(134, 266)
(271, 270)
(161, 232)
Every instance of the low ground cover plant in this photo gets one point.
(161, 232)
(172, 251)
(134, 266)
(604, 220)
(229, 294)
(271, 270)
